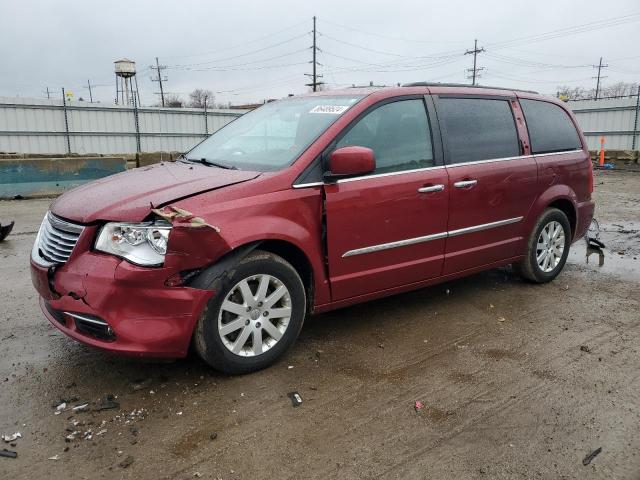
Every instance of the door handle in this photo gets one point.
(431, 188)
(465, 184)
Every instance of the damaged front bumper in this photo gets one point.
(109, 303)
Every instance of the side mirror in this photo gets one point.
(349, 161)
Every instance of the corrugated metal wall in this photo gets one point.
(614, 118)
(38, 126)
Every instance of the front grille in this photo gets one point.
(57, 238)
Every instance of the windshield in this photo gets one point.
(273, 136)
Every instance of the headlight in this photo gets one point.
(140, 243)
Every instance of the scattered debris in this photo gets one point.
(8, 453)
(418, 405)
(296, 399)
(178, 413)
(290, 367)
(213, 436)
(55, 457)
(81, 408)
(107, 403)
(6, 230)
(11, 438)
(585, 348)
(587, 460)
(127, 461)
(381, 345)
(502, 319)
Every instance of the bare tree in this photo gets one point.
(199, 97)
(619, 89)
(173, 101)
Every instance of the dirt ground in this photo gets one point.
(517, 381)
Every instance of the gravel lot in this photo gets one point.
(517, 381)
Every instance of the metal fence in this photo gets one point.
(617, 119)
(60, 127)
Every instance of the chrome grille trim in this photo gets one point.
(55, 241)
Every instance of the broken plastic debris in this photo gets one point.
(81, 408)
(55, 457)
(418, 405)
(107, 404)
(296, 399)
(587, 460)
(62, 406)
(11, 438)
(5, 230)
(8, 453)
(502, 319)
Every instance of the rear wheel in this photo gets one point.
(256, 314)
(547, 247)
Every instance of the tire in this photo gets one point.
(551, 221)
(240, 330)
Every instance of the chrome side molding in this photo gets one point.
(429, 238)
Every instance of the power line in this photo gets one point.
(563, 32)
(474, 71)
(600, 66)
(386, 36)
(158, 68)
(208, 62)
(286, 29)
(234, 67)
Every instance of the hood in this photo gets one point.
(129, 195)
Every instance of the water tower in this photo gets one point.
(126, 82)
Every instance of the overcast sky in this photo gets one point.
(247, 51)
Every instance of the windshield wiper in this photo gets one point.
(211, 163)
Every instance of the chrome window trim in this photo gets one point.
(491, 160)
(428, 238)
(306, 185)
(389, 174)
(436, 167)
(557, 153)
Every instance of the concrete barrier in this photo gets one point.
(37, 177)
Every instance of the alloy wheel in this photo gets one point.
(550, 246)
(254, 315)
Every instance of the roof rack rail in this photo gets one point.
(438, 84)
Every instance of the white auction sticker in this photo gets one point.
(333, 109)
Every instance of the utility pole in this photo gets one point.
(314, 76)
(600, 66)
(48, 94)
(475, 70)
(90, 95)
(159, 78)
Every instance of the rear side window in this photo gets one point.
(478, 129)
(398, 133)
(550, 128)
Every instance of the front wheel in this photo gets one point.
(256, 314)
(547, 247)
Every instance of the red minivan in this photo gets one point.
(309, 204)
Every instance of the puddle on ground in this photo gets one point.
(621, 255)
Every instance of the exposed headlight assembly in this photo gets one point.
(140, 243)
